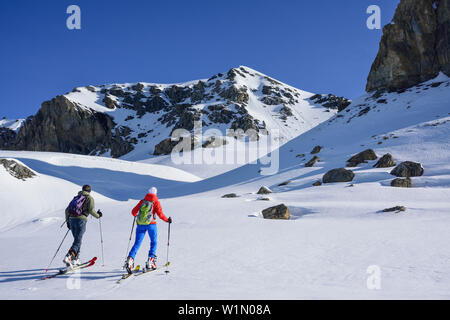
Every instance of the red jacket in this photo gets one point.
(156, 208)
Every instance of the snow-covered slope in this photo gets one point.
(59, 177)
(33, 201)
(13, 125)
(336, 237)
(414, 123)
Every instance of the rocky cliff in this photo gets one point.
(60, 126)
(7, 137)
(414, 47)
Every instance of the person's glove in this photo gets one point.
(100, 214)
(169, 220)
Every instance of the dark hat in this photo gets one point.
(87, 188)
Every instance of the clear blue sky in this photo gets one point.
(320, 46)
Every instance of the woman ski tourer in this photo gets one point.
(77, 213)
(145, 212)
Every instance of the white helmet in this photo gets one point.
(153, 190)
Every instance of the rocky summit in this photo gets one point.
(414, 47)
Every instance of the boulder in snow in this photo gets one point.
(316, 149)
(361, 157)
(230, 195)
(401, 183)
(311, 162)
(385, 161)
(338, 175)
(280, 212)
(408, 169)
(264, 190)
(397, 209)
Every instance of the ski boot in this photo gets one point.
(71, 259)
(151, 263)
(76, 261)
(129, 265)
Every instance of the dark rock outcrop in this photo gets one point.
(167, 146)
(214, 142)
(286, 112)
(109, 102)
(331, 101)
(317, 183)
(59, 126)
(338, 175)
(17, 170)
(316, 149)
(443, 35)
(361, 157)
(230, 195)
(280, 212)
(408, 169)
(177, 94)
(264, 190)
(235, 94)
(395, 209)
(415, 46)
(386, 161)
(312, 162)
(247, 122)
(7, 138)
(155, 104)
(401, 183)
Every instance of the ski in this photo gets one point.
(145, 270)
(71, 270)
(126, 276)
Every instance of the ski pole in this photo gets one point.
(57, 250)
(101, 240)
(129, 241)
(168, 244)
(65, 222)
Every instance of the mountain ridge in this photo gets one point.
(117, 119)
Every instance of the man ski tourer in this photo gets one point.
(145, 212)
(77, 212)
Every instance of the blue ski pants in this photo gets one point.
(78, 228)
(141, 230)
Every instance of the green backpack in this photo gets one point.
(146, 213)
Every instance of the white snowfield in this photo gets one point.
(338, 243)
